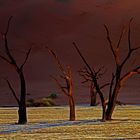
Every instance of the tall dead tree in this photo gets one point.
(92, 75)
(67, 88)
(118, 78)
(9, 58)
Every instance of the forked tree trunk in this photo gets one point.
(72, 108)
(112, 104)
(110, 110)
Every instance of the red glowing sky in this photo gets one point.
(57, 23)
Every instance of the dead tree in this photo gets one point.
(118, 78)
(92, 88)
(67, 89)
(92, 75)
(9, 58)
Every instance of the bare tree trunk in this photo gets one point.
(93, 95)
(103, 105)
(101, 97)
(22, 104)
(22, 113)
(104, 112)
(112, 104)
(72, 108)
(93, 100)
(110, 110)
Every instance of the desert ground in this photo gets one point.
(52, 123)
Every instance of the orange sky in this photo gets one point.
(57, 23)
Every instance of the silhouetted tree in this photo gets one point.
(92, 89)
(9, 58)
(67, 88)
(118, 78)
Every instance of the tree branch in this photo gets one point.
(7, 51)
(129, 34)
(111, 86)
(103, 86)
(130, 49)
(77, 49)
(121, 36)
(109, 40)
(8, 25)
(5, 59)
(60, 86)
(57, 60)
(13, 92)
(85, 74)
(115, 51)
(26, 58)
(129, 74)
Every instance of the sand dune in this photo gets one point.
(58, 23)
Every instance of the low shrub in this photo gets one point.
(44, 102)
(30, 103)
(52, 96)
